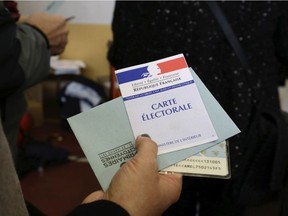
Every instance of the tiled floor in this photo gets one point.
(57, 189)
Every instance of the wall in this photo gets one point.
(89, 32)
(87, 12)
(88, 42)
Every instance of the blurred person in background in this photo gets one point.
(147, 31)
(25, 50)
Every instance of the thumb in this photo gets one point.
(171, 185)
(146, 147)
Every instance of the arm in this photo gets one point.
(35, 56)
(41, 36)
(24, 59)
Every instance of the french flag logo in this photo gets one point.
(172, 65)
(152, 69)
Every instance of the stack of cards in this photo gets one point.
(167, 100)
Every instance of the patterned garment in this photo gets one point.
(147, 31)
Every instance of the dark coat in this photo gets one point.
(147, 31)
(24, 61)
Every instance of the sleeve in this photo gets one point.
(101, 207)
(35, 54)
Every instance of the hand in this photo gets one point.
(53, 26)
(138, 187)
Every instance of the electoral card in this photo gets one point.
(161, 99)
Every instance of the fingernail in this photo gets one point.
(122, 164)
(145, 135)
